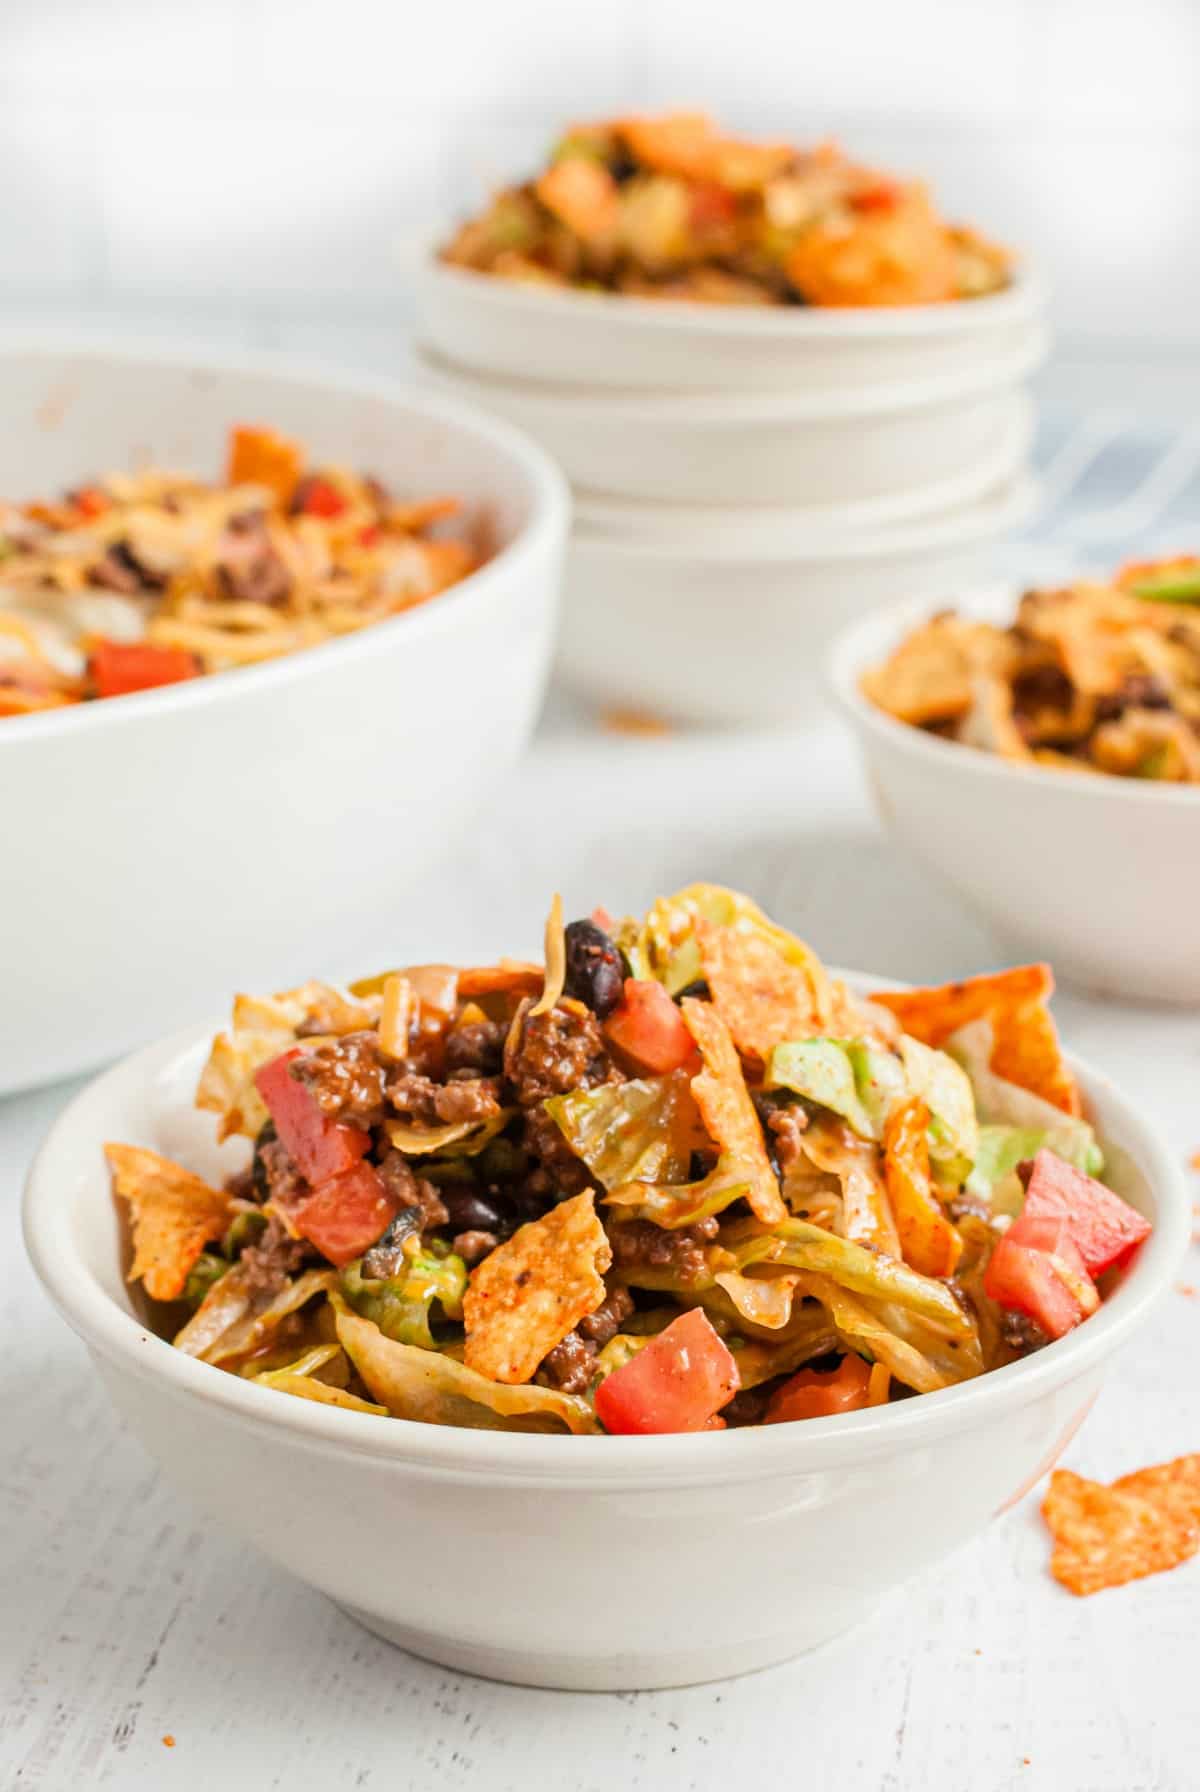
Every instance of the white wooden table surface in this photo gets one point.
(127, 1618)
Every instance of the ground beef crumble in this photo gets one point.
(282, 1181)
(557, 1052)
(419, 1099)
(265, 1266)
(570, 1365)
(788, 1126)
(410, 1190)
(249, 567)
(1022, 1334)
(639, 1244)
(346, 1078)
(476, 1048)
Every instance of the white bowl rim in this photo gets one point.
(1025, 296)
(597, 1461)
(717, 409)
(550, 515)
(995, 513)
(861, 644)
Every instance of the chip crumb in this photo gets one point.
(168, 1742)
(635, 721)
(1145, 1523)
(1194, 1160)
(1188, 1288)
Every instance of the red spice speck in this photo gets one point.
(1188, 1288)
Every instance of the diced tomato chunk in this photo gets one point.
(1104, 1229)
(711, 204)
(344, 1216)
(318, 497)
(815, 1393)
(91, 502)
(119, 667)
(322, 1148)
(881, 196)
(647, 1029)
(677, 1382)
(1036, 1269)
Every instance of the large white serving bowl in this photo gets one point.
(233, 829)
(725, 619)
(589, 1562)
(764, 448)
(604, 339)
(1101, 875)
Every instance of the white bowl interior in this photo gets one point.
(69, 415)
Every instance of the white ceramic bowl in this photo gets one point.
(227, 831)
(591, 1562)
(726, 619)
(603, 339)
(1101, 875)
(764, 448)
(642, 520)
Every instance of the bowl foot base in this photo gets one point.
(632, 1672)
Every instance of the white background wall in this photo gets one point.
(260, 171)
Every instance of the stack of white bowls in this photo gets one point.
(747, 480)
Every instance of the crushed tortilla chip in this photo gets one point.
(1107, 1536)
(532, 1290)
(727, 1111)
(264, 457)
(928, 1242)
(510, 977)
(762, 997)
(262, 1027)
(174, 1214)
(929, 677)
(1025, 1048)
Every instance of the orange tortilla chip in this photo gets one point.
(727, 1111)
(263, 457)
(762, 997)
(173, 1213)
(509, 977)
(928, 1242)
(1107, 1536)
(532, 1290)
(1025, 1048)
(1173, 1485)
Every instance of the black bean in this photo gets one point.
(258, 1169)
(596, 967)
(469, 1211)
(698, 987)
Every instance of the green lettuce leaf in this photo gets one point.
(401, 1305)
(641, 1131)
(1004, 1104)
(805, 1246)
(823, 1071)
(435, 1389)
